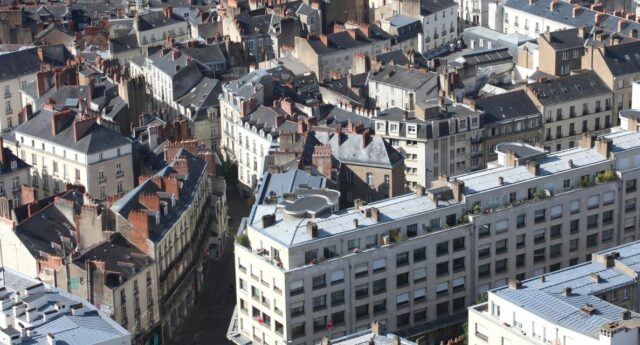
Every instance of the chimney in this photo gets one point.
(40, 53)
(603, 146)
(586, 142)
(510, 159)
(376, 328)
(599, 17)
(80, 127)
(150, 201)
(500, 180)
(366, 139)
(531, 2)
(515, 284)
(419, 190)
(553, 5)
(28, 111)
(170, 41)
(457, 187)
(533, 167)
(61, 120)
(566, 292)
(28, 195)
(375, 214)
(626, 315)
(595, 277)
(358, 204)
(609, 260)
(570, 163)
(51, 340)
(634, 33)
(576, 10)
(168, 11)
(324, 40)
(588, 309)
(2, 158)
(171, 185)
(630, 17)
(397, 341)
(312, 229)
(268, 220)
(325, 341)
(621, 24)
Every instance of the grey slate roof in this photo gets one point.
(546, 299)
(197, 169)
(428, 7)
(25, 61)
(97, 138)
(350, 148)
(153, 20)
(119, 256)
(623, 58)
(569, 88)
(563, 13)
(123, 43)
(507, 106)
(402, 77)
(287, 182)
(202, 95)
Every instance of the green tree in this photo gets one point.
(230, 170)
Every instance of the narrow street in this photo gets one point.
(208, 320)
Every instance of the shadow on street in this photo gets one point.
(207, 321)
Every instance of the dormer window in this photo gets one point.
(380, 126)
(393, 127)
(412, 129)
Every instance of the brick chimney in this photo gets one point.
(150, 201)
(533, 167)
(324, 40)
(553, 5)
(287, 105)
(301, 127)
(60, 121)
(366, 138)
(321, 159)
(576, 10)
(457, 187)
(80, 127)
(599, 17)
(168, 11)
(181, 166)
(28, 194)
(172, 185)
(587, 141)
(139, 230)
(603, 146)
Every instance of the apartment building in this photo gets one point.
(14, 173)
(436, 139)
(406, 32)
(618, 66)
(416, 261)
(570, 106)
(598, 299)
(17, 68)
(509, 117)
(118, 278)
(40, 314)
(328, 55)
(65, 148)
(239, 98)
(153, 28)
(169, 217)
(439, 19)
(533, 17)
(398, 86)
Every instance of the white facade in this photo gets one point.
(253, 145)
(304, 278)
(440, 28)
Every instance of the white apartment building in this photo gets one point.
(401, 87)
(63, 149)
(154, 28)
(594, 303)
(14, 173)
(439, 19)
(306, 272)
(239, 98)
(533, 17)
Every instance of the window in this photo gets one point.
(607, 235)
(592, 240)
(520, 260)
(362, 291)
(484, 270)
(337, 277)
(442, 309)
(607, 198)
(630, 186)
(402, 299)
(370, 179)
(442, 248)
(592, 221)
(319, 282)
(380, 306)
(442, 288)
(442, 268)
(501, 266)
(402, 259)
(353, 244)
(361, 270)
(555, 231)
(575, 206)
(574, 226)
(573, 245)
(419, 275)
(630, 205)
(458, 244)
(501, 246)
(520, 240)
(297, 288)
(337, 298)
(556, 211)
(521, 221)
(484, 231)
(319, 302)
(555, 250)
(607, 217)
(379, 286)
(458, 264)
(540, 215)
(378, 265)
(593, 201)
(419, 294)
(539, 255)
(538, 236)
(502, 226)
(402, 280)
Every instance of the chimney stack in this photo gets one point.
(533, 167)
(457, 187)
(566, 292)
(312, 229)
(553, 5)
(268, 220)
(586, 142)
(603, 146)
